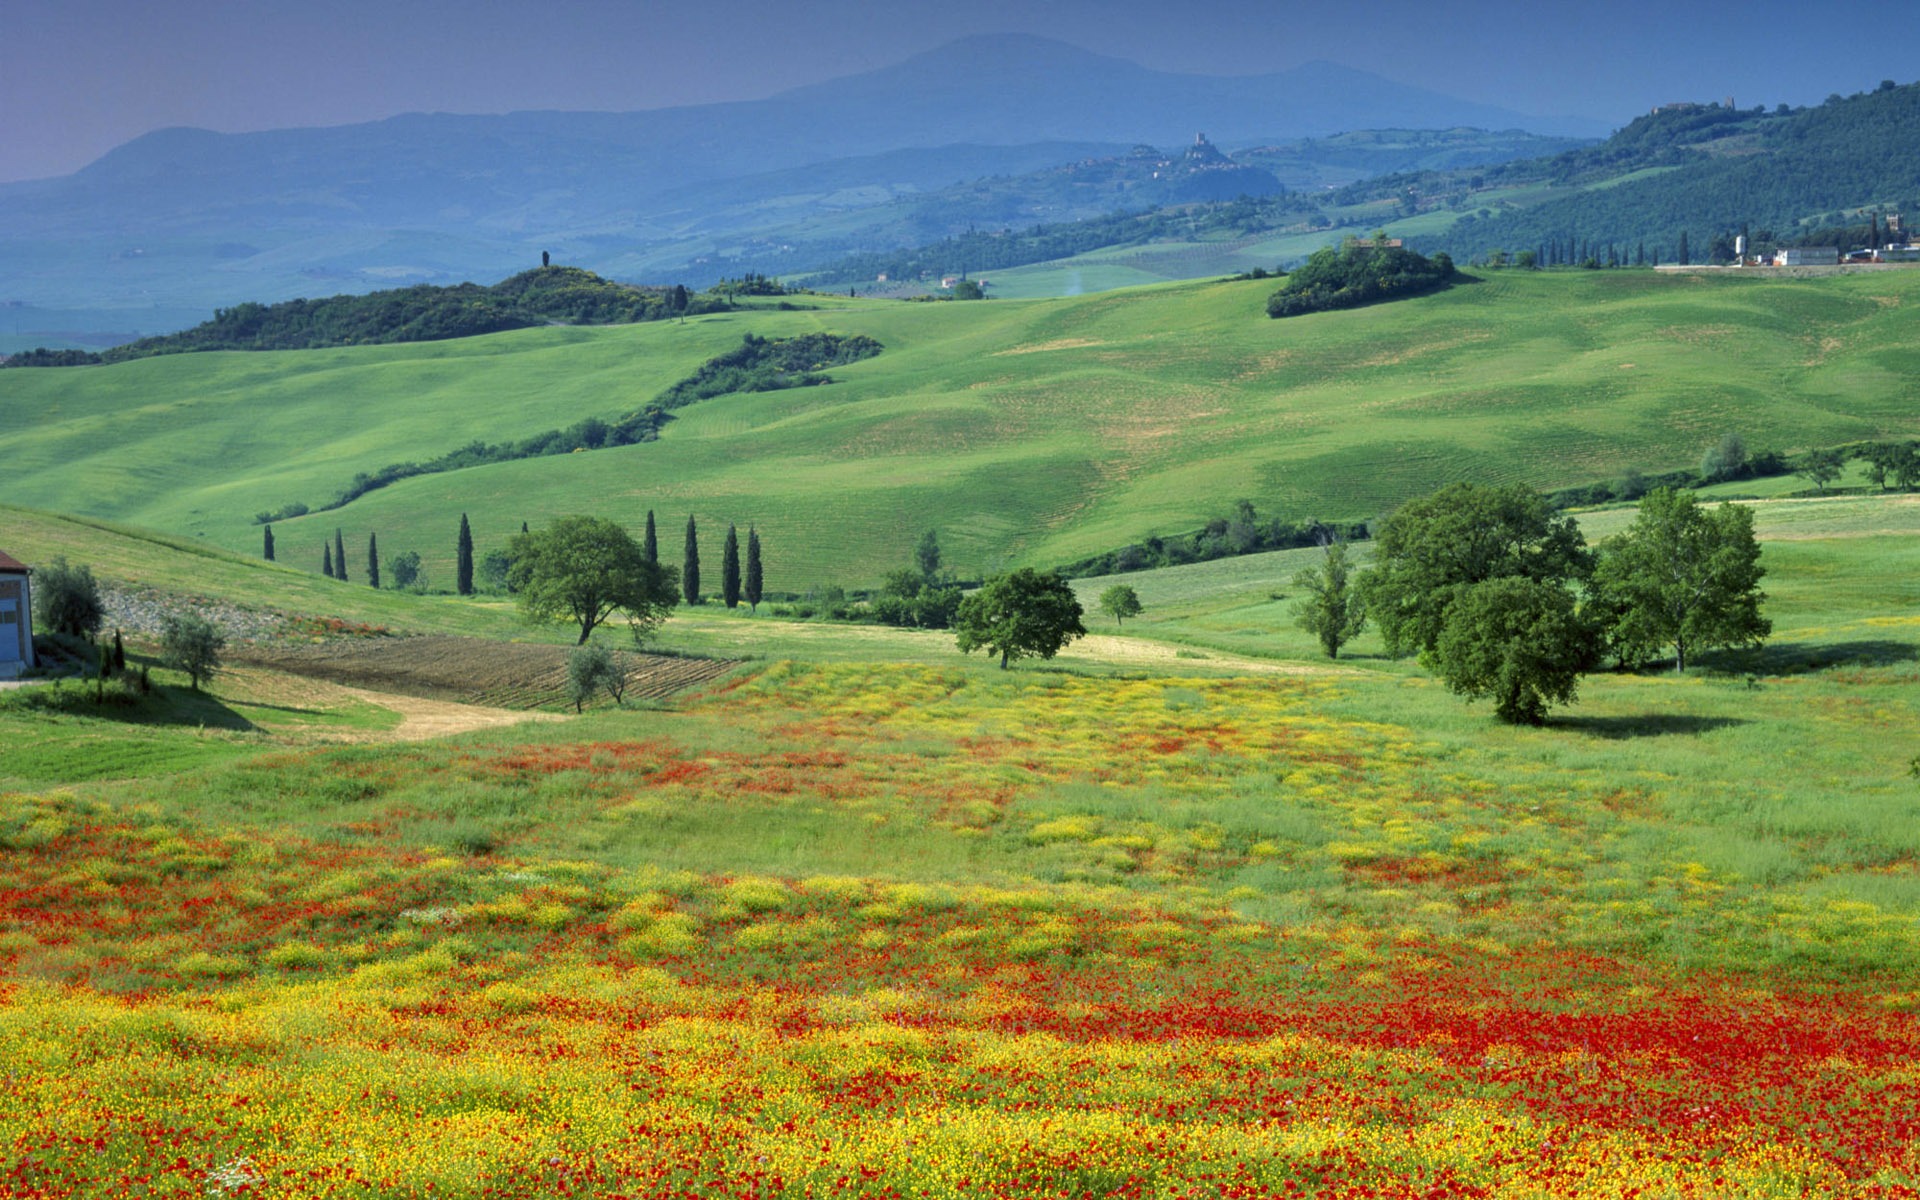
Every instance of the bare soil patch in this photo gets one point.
(472, 671)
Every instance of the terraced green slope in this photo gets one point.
(1025, 431)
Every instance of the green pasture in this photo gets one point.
(1024, 431)
(1758, 812)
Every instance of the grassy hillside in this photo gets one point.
(1024, 431)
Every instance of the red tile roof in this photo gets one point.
(10, 563)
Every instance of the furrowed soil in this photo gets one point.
(474, 671)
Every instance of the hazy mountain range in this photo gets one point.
(181, 220)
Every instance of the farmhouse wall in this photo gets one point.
(16, 624)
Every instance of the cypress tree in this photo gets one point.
(463, 563)
(690, 568)
(753, 569)
(523, 527)
(651, 546)
(119, 653)
(1683, 248)
(730, 569)
(339, 556)
(267, 549)
(326, 559)
(373, 561)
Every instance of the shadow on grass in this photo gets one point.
(164, 706)
(1800, 658)
(1646, 725)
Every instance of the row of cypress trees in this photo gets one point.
(734, 585)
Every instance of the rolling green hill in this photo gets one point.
(1026, 432)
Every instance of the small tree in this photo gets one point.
(266, 549)
(339, 556)
(1725, 460)
(1682, 576)
(496, 569)
(326, 559)
(690, 565)
(68, 599)
(406, 569)
(730, 569)
(585, 569)
(1020, 614)
(753, 570)
(589, 668)
(119, 652)
(651, 546)
(1120, 602)
(1820, 467)
(192, 644)
(927, 554)
(1518, 641)
(1331, 610)
(373, 561)
(463, 560)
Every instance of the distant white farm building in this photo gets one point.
(1807, 256)
(16, 616)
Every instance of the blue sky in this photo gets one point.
(78, 77)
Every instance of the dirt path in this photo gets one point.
(423, 719)
(1106, 647)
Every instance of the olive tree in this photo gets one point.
(191, 643)
(68, 599)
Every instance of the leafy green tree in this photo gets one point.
(373, 561)
(651, 546)
(1682, 576)
(1879, 458)
(1518, 641)
(1820, 467)
(1020, 614)
(191, 643)
(1906, 466)
(730, 568)
(496, 568)
(584, 570)
(753, 569)
(1464, 534)
(690, 565)
(1120, 602)
(927, 554)
(463, 560)
(1331, 610)
(266, 548)
(1726, 459)
(406, 569)
(68, 599)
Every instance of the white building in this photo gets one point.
(1807, 256)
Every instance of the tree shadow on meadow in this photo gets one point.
(1801, 658)
(1644, 725)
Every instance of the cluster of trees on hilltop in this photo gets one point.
(1003, 249)
(543, 296)
(1358, 273)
